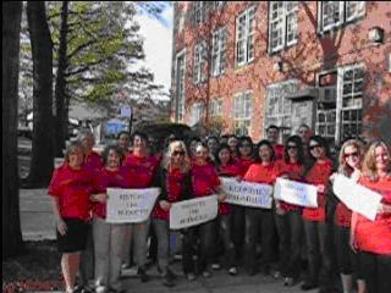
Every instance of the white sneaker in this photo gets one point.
(100, 289)
(206, 274)
(233, 271)
(216, 266)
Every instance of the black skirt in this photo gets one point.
(75, 237)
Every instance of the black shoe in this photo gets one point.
(143, 275)
(308, 286)
(168, 280)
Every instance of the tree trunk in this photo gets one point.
(60, 95)
(12, 235)
(43, 135)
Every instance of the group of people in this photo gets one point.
(335, 239)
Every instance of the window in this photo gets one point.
(218, 51)
(198, 12)
(335, 13)
(242, 113)
(200, 57)
(180, 85)
(352, 85)
(219, 4)
(282, 24)
(278, 107)
(216, 107)
(245, 29)
(197, 111)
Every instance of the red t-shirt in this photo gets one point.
(375, 236)
(259, 173)
(319, 174)
(244, 164)
(73, 188)
(93, 161)
(230, 170)
(174, 180)
(343, 216)
(294, 171)
(204, 179)
(105, 179)
(279, 151)
(141, 170)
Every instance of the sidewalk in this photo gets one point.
(38, 224)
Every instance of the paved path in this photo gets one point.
(38, 223)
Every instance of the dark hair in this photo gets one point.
(225, 136)
(213, 137)
(272, 126)
(320, 140)
(232, 135)
(117, 149)
(142, 135)
(242, 140)
(262, 143)
(122, 132)
(300, 151)
(222, 147)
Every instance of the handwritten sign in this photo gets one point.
(357, 197)
(193, 212)
(130, 205)
(246, 193)
(297, 193)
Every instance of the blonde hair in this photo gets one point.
(344, 168)
(71, 148)
(167, 160)
(369, 163)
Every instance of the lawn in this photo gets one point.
(37, 268)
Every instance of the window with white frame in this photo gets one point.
(282, 24)
(245, 30)
(197, 110)
(278, 106)
(180, 85)
(216, 107)
(198, 12)
(219, 4)
(335, 13)
(199, 62)
(242, 113)
(218, 51)
(352, 86)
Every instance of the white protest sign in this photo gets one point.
(130, 205)
(297, 193)
(246, 193)
(357, 197)
(126, 111)
(193, 212)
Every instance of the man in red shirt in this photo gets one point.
(272, 134)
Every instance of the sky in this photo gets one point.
(157, 35)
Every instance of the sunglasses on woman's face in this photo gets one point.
(291, 147)
(180, 153)
(314, 146)
(354, 154)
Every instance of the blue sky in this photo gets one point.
(157, 35)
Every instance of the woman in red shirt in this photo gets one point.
(315, 228)
(70, 187)
(175, 183)
(205, 182)
(288, 216)
(227, 167)
(349, 165)
(373, 238)
(108, 238)
(262, 171)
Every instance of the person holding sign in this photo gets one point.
(108, 238)
(288, 216)
(205, 182)
(349, 165)
(227, 167)
(262, 171)
(175, 183)
(141, 171)
(373, 238)
(70, 188)
(317, 173)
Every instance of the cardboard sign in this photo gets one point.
(130, 205)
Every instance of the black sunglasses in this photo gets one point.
(312, 147)
(181, 153)
(289, 147)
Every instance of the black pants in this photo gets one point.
(377, 272)
(256, 218)
(225, 224)
(290, 232)
(237, 229)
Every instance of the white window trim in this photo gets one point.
(245, 37)
(285, 42)
(199, 75)
(241, 119)
(181, 110)
(197, 112)
(216, 70)
(198, 5)
(213, 102)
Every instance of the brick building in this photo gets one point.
(252, 64)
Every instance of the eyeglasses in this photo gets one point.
(292, 147)
(181, 153)
(314, 146)
(354, 154)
